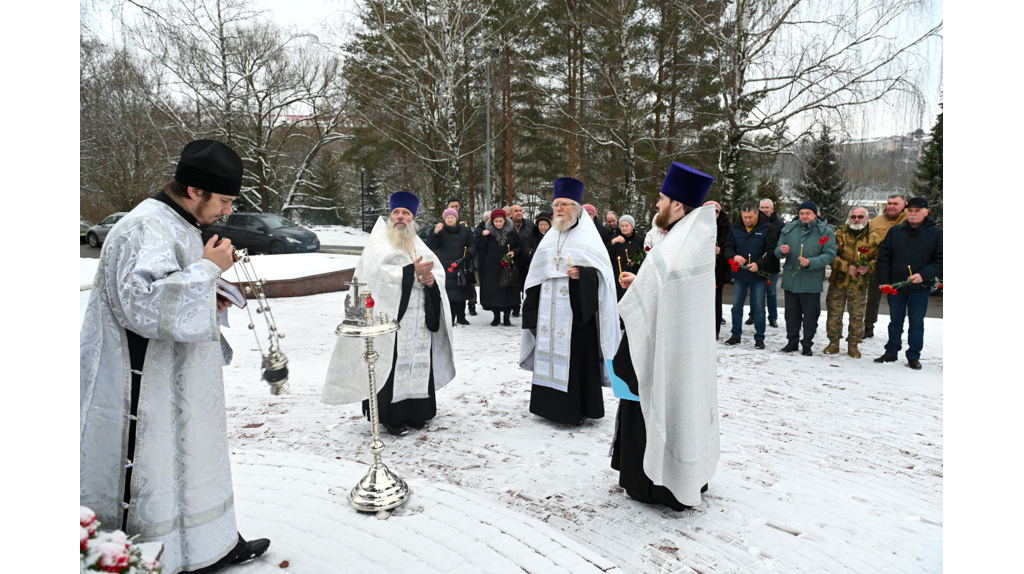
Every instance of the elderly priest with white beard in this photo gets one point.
(406, 281)
(666, 440)
(570, 323)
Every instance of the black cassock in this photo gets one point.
(631, 440)
(412, 412)
(584, 398)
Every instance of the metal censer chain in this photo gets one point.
(380, 490)
(275, 363)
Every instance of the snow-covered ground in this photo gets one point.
(339, 235)
(828, 464)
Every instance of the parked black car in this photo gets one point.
(264, 233)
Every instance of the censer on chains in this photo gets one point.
(380, 490)
(275, 363)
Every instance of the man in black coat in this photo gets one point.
(751, 245)
(771, 294)
(723, 273)
(911, 253)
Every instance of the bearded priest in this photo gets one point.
(406, 281)
(570, 323)
(666, 440)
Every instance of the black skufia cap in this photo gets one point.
(210, 166)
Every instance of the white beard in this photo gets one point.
(857, 226)
(403, 238)
(562, 222)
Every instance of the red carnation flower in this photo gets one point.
(769, 282)
(863, 250)
(735, 266)
(893, 292)
(504, 263)
(647, 248)
(823, 240)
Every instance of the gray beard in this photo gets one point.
(562, 222)
(857, 226)
(402, 238)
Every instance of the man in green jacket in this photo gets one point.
(808, 246)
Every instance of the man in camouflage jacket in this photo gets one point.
(848, 284)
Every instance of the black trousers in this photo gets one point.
(719, 290)
(802, 309)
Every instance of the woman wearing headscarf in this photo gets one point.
(625, 248)
(455, 247)
(498, 240)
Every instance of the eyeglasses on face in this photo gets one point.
(561, 204)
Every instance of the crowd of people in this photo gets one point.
(600, 305)
(898, 253)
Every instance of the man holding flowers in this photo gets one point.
(754, 238)
(911, 253)
(856, 255)
(808, 245)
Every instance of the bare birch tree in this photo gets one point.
(786, 63)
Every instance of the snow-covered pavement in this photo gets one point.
(828, 464)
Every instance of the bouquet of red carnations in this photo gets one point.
(110, 551)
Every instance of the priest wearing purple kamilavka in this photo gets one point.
(666, 444)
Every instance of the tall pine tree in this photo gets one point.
(823, 181)
(928, 177)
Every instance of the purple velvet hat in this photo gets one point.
(686, 185)
(569, 188)
(406, 200)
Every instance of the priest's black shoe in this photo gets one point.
(914, 364)
(886, 358)
(806, 351)
(396, 431)
(416, 424)
(790, 347)
(759, 344)
(732, 341)
(252, 550)
(496, 321)
(750, 321)
(773, 323)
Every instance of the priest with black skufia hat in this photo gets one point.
(154, 447)
(666, 440)
(570, 324)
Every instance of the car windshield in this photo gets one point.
(112, 219)
(275, 221)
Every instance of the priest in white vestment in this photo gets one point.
(406, 281)
(666, 443)
(570, 322)
(153, 436)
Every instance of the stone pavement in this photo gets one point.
(443, 529)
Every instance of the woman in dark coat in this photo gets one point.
(541, 226)
(452, 242)
(722, 271)
(627, 244)
(498, 239)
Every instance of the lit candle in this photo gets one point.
(620, 265)
(570, 261)
(801, 250)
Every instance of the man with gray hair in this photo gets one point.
(570, 319)
(856, 255)
(894, 214)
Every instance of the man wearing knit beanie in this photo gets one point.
(152, 321)
(808, 245)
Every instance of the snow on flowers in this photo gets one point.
(109, 551)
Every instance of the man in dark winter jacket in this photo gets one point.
(771, 294)
(911, 253)
(750, 246)
(723, 273)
